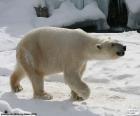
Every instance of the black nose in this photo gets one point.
(124, 48)
(120, 53)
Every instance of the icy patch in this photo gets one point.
(5, 72)
(92, 79)
(6, 108)
(122, 76)
(7, 41)
(19, 19)
(128, 89)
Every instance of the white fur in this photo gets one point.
(52, 50)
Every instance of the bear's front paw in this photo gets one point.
(44, 96)
(75, 97)
(84, 92)
(17, 88)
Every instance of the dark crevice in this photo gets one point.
(117, 13)
(42, 12)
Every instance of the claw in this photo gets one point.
(18, 88)
(75, 97)
(44, 96)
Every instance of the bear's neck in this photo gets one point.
(91, 49)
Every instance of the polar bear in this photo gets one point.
(50, 50)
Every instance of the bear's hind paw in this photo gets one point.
(75, 97)
(17, 89)
(45, 96)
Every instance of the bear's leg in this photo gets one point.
(15, 79)
(74, 81)
(82, 69)
(74, 95)
(38, 87)
(30, 64)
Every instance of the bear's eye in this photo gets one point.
(112, 44)
(99, 46)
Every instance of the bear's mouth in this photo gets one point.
(121, 53)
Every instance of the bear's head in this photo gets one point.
(107, 49)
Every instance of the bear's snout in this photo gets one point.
(122, 51)
(124, 48)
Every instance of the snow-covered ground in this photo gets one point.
(115, 88)
(115, 85)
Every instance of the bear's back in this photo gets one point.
(60, 37)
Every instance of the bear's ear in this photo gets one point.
(99, 46)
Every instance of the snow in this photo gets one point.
(53, 4)
(134, 13)
(14, 13)
(115, 88)
(67, 14)
(115, 92)
(5, 107)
